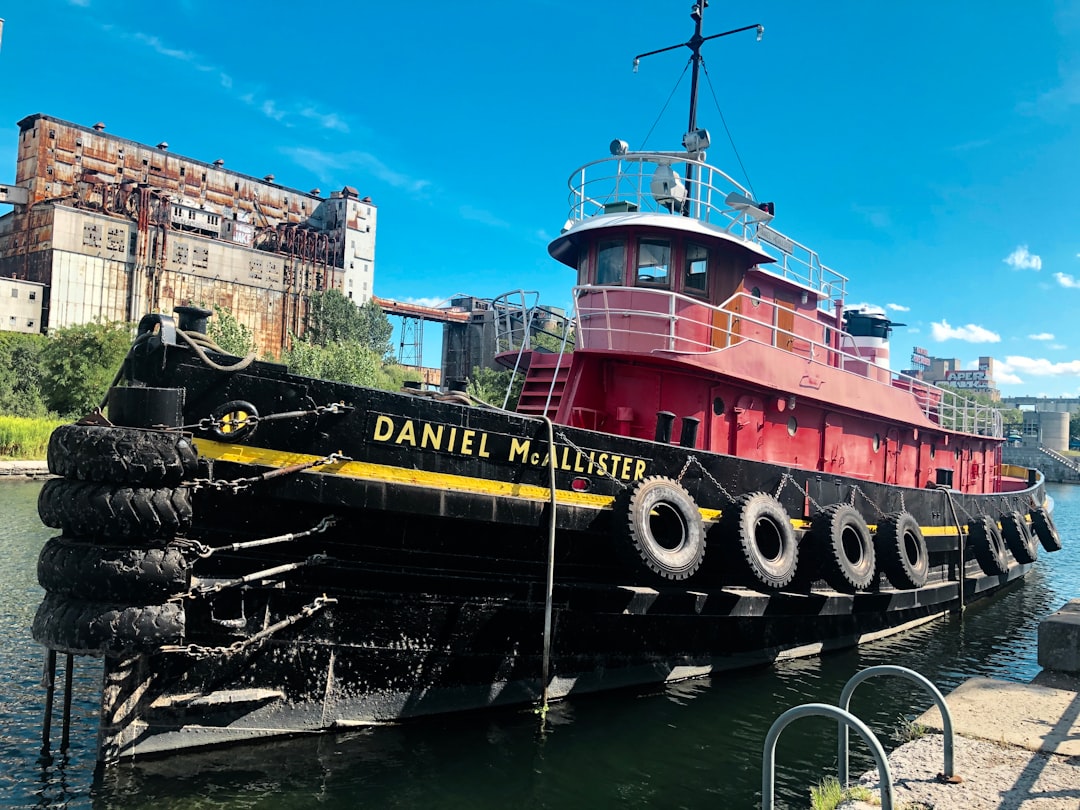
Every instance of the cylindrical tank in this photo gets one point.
(1055, 430)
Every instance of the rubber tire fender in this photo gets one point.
(758, 530)
(121, 455)
(89, 509)
(664, 529)
(1042, 524)
(845, 547)
(1018, 537)
(85, 627)
(988, 545)
(99, 573)
(901, 548)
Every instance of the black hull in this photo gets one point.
(427, 594)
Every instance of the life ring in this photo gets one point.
(902, 548)
(664, 529)
(845, 547)
(121, 455)
(766, 550)
(989, 547)
(1018, 537)
(1043, 527)
(88, 509)
(99, 628)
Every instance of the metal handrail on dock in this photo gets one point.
(846, 720)
(911, 675)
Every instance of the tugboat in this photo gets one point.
(723, 472)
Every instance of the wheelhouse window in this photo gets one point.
(611, 262)
(696, 270)
(654, 263)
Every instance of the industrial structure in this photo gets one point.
(110, 228)
(950, 371)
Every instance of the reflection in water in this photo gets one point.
(691, 744)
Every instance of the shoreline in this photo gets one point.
(23, 469)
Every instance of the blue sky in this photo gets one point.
(928, 150)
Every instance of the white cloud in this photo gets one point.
(327, 165)
(1041, 336)
(1067, 281)
(1002, 377)
(325, 120)
(427, 301)
(482, 216)
(1021, 259)
(1058, 346)
(161, 48)
(1040, 367)
(270, 110)
(898, 308)
(970, 333)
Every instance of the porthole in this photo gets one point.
(755, 293)
(718, 406)
(792, 426)
(877, 442)
(933, 450)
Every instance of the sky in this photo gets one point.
(928, 150)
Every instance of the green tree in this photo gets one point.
(228, 333)
(79, 362)
(333, 318)
(20, 374)
(490, 386)
(342, 361)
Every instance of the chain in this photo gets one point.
(805, 493)
(199, 652)
(857, 489)
(780, 487)
(708, 475)
(210, 423)
(583, 454)
(239, 484)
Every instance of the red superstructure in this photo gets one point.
(689, 303)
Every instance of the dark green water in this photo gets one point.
(688, 745)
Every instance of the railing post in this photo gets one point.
(846, 719)
(903, 672)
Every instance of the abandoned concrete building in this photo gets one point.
(103, 227)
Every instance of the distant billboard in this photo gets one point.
(971, 379)
(920, 357)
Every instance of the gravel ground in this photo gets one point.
(996, 777)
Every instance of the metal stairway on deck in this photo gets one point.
(544, 384)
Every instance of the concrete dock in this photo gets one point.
(24, 469)
(1017, 745)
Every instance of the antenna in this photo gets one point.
(694, 44)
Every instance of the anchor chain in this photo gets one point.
(239, 484)
(199, 652)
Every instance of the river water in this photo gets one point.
(687, 745)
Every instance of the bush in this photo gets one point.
(78, 364)
(20, 374)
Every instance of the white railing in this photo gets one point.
(620, 185)
(658, 320)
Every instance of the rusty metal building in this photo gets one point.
(115, 229)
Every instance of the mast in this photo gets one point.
(694, 44)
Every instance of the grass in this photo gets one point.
(828, 794)
(25, 439)
(908, 731)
